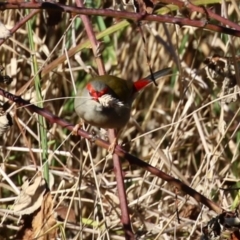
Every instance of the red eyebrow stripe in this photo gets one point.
(90, 88)
(94, 93)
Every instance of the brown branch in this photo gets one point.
(118, 150)
(126, 15)
(209, 14)
(125, 217)
(94, 43)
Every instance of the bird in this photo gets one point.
(106, 100)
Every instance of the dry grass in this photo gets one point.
(179, 127)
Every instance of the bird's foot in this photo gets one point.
(76, 128)
(112, 146)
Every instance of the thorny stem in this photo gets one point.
(133, 160)
(112, 135)
(181, 21)
(94, 43)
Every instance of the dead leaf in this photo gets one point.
(143, 6)
(221, 72)
(62, 214)
(39, 222)
(31, 196)
(4, 32)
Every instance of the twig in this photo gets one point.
(118, 150)
(130, 16)
(112, 135)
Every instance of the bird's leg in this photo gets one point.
(113, 137)
(77, 127)
(112, 146)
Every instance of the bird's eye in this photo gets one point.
(102, 92)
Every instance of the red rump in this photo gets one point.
(140, 84)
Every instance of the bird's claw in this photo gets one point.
(112, 146)
(76, 128)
